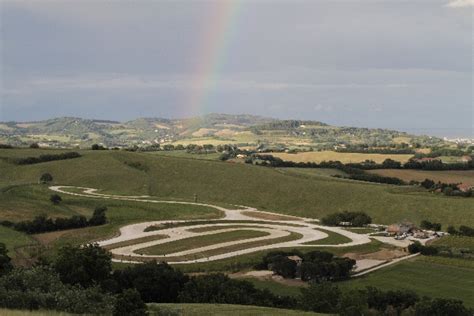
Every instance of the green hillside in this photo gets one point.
(180, 178)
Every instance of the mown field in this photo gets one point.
(451, 176)
(221, 310)
(319, 156)
(429, 276)
(455, 242)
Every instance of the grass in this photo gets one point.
(274, 286)
(361, 230)
(451, 176)
(455, 242)
(332, 239)
(319, 156)
(13, 239)
(201, 241)
(426, 276)
(264, 188)
(135, 241)
(11, 312)
(221, 310)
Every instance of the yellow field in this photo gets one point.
(451, 176)
(319, 156)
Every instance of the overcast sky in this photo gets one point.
(396, 64)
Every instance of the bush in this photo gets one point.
(83, 265)
(98, 217)
(34, 145)
(46, 177)
(353, 218)
(158, 283)
(130, 303)
(55, 198)
(5, 260)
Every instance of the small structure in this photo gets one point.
(466, 159)
(240, 156)
(464, 187)
(400, 229)
(296, 259)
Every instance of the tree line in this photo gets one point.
(81, 280)
(45, 158)
(346, 218)
(42, 224)
(315, 266)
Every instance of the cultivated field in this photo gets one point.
(319, 156)
(451, 176)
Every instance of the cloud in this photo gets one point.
(460, 4)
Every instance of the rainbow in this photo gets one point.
(212, 50)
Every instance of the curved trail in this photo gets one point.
(278, 229)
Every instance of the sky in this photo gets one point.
(396, 64)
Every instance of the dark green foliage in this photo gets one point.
(85, 265)
(42, 224)
(417, 247)
(98, 147)
(5, 260)
(34, 145)
(441, 307)
(158, 283)
(46, 177)
(41, 288)
(399, 300)
(220, 289)
(129, 303)
(352, 218)
(98, 217)
(429, 225)
(463, 231)
(46, 158)
(137, 165)
(320, 298)
(55, 198)
(283, 266)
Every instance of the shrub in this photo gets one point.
(130, 303)
(46, 177)
(5, 260)
(55, 198)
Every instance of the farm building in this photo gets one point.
(464, 187)
(401, 228)
(466, 159)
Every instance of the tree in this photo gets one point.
(34, 145)
(283, 266)
(158, 283)
(83, 265)
(427, 184)
(46, 177)
(55, 198)
(320, 298)
(5, 260)
(441, 307)
(98, 217)
(130, 303)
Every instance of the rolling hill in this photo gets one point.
(244, 130)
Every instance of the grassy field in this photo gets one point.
(14, 239)
(264, 188)
(332, 239)
(221, 310)
(9, 312)
(454, 279)
(201, 241)
(455, 242)
(319, 156)
(451, 176)
(431, 276)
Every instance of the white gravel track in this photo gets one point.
(275, 228)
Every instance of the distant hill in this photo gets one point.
(245, 130)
